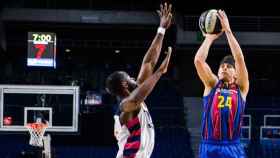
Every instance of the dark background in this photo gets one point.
(92, 58)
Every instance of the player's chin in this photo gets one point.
(223, 78)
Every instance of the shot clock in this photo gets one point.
(41, 49)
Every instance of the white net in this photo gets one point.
(37, 131)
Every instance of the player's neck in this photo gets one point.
(228, 81)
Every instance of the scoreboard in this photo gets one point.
(41, 49)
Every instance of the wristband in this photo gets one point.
(161, 30)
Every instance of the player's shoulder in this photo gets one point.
(210, 88)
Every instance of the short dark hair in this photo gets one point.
(113, 82)
(229, 60)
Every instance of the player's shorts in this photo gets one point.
(221, 149)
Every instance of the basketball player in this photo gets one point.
(134, 129)
(224, 97)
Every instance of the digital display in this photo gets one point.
(93, 98)
(41, 49)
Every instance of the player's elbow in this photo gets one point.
(198, 61)
(239, 57)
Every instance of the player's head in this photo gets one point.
(227, 70)
(119, 82)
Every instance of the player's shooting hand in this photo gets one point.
(224, 21)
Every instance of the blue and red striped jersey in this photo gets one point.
(222, 113)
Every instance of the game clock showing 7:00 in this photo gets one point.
(41, 49)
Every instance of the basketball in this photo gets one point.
(209, 22)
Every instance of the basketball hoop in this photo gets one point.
(36, 131)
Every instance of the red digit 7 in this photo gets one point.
(41, 49)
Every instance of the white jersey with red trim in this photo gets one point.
(136, 138)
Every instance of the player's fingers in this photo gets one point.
(169, 8)
(204, 34)
(159, 13)
(219, 16)
(161, 8)
(169, 49)
(170, 15)
(165, 9)
(224, 13)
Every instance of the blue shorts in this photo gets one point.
(222, 149)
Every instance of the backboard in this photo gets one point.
(23, 104)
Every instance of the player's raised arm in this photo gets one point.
(205, 73)
(242, 74)
(151, 57)
(137, 96)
